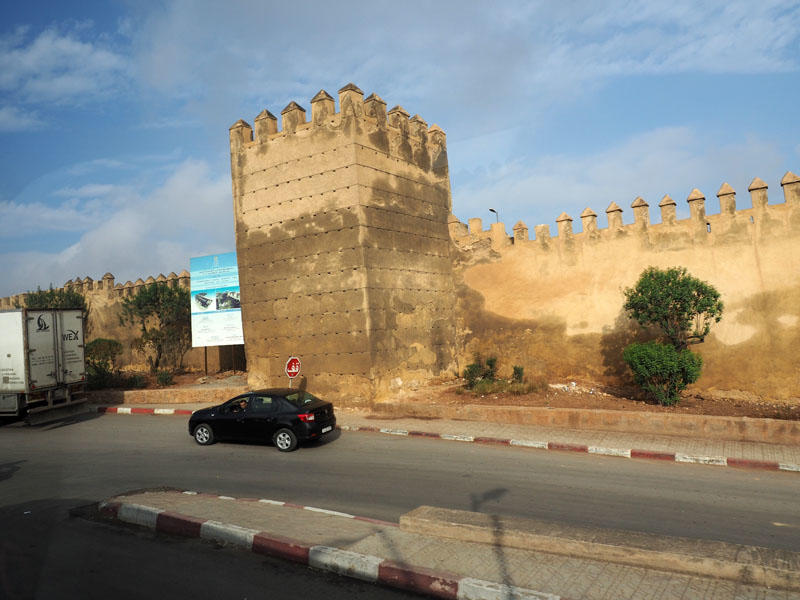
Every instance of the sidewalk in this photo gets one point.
(576, 564)
(626, 445)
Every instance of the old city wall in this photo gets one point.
(104, 300)
(343, 245)
(349, 257)
(554, 304)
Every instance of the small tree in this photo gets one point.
(683, 308)
(162, 313)
(55, 298)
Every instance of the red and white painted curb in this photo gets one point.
(131, 410)
(343, 562)
(721, 461)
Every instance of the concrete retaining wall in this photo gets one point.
(741, 429)
(167, 396)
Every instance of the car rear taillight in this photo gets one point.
(306, 417)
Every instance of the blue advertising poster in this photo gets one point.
(216, 308)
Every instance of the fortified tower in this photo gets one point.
(343, 245)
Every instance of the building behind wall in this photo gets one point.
(343, 245)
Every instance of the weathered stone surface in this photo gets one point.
(344, 248)
(554, 305)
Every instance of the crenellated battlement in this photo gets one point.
(356, 114)
(105, 287)
(730, 225)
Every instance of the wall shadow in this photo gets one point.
(613, 341)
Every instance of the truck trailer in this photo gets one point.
(42, 362)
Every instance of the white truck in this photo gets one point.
(42, 364)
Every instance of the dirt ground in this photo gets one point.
(569, 395)
(224, 379)
(561, 395)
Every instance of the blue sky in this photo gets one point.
(114, 116)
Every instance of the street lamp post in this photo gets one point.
(496, 216)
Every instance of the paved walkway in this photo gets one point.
(433, 565)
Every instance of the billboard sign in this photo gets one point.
(216, 308)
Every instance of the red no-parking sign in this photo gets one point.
(292, 367)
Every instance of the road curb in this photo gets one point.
(677, 457)
(720, 461)
(132, 410)
(365, 567)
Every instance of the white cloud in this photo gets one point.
(481, 63)
(189, 215)
(92, 190)
(19, 219)
(15, 119)
(58, 67)
(648, 165)
(99, 164)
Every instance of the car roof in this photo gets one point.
(278, 391)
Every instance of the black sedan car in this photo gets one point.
(285, 416)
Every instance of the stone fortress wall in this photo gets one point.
(554, 304)
(343, 245)
(104, 299)
(350, 258)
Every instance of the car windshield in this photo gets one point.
(300, 398)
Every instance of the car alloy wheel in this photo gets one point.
(285, 440)
(203, 435)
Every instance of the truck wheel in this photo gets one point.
(203, 434)
(285, 440)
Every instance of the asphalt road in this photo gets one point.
(46, 554)
(48, 469)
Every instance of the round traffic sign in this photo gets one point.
(293, 367)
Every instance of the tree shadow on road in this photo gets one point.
(7, 470)
(476, 503)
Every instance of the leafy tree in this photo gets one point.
(661, 370)
(682, 306)
(56, 298)
(162, 314)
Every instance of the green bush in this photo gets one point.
(490, 372)
(661, 370)
(102, 353)
(480, 371)
(99, 378)
(518, 374)
(472, 374)
(164, 378)
(135, 381)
